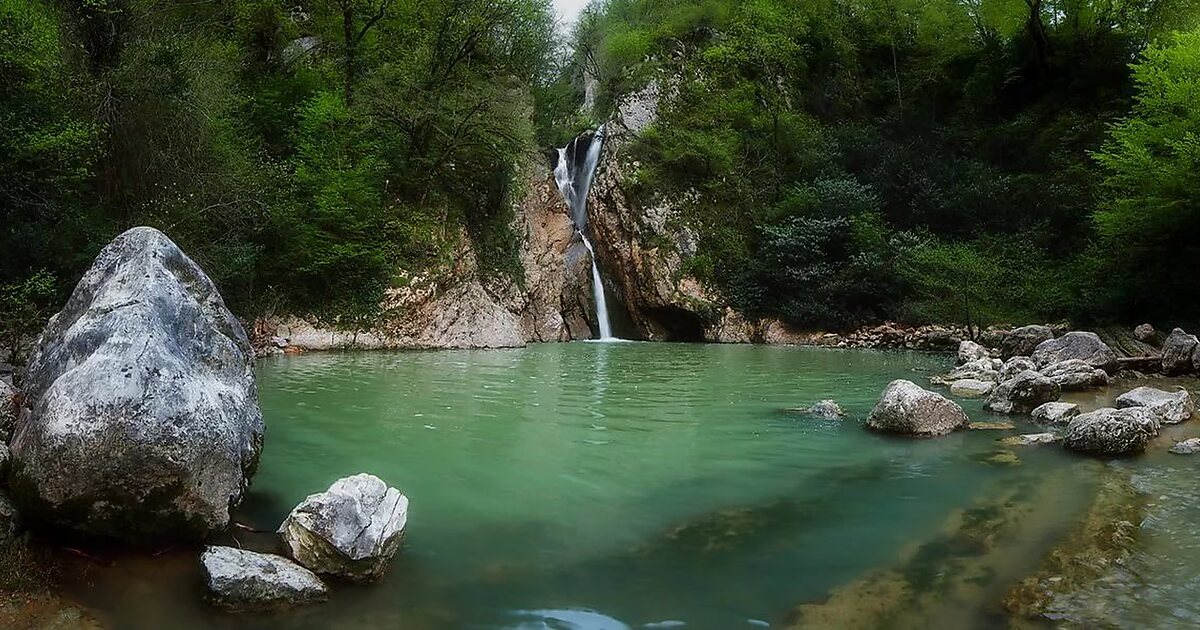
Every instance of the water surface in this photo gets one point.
(627, 485)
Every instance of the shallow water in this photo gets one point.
(633, 485)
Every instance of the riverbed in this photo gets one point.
(636, 485)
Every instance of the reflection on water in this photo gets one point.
(628, 485)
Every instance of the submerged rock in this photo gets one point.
(825, 409)
(351, 530)
(1085, 346)
(1170, 407)
(1075, 375)
(971, 388)
(1177, 353)
(1022, 341)
(243, 581)
(1055, 412)
(970, 351)
(143, 418)
(1029, 439)
(907, 408)
(1112, 432)
(1022, 393)
(991, 426)
(1190, 446)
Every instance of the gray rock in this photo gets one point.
(1112, 432)
(8, 410)
(351, 530)
(1170, 407)
(1022, 393)
(1085, 346)
(1015, 366)
(971, 388)
(825, 409)
(1029, 439)
(1144, 333)
(970, 351)
(1075, 375)
(1190, 446)
(142, 416)
(907, 408)
(10, 522)
(979, 370)
(245, 581)
(1178, 351)
(1055, 413)
(1023, 340)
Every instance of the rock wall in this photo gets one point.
(454, 306)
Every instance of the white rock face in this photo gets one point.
(1112, 432)
(1170, 407)
(970, 351)
(1055, 412)
(907, 408)
(351, 530)
(1085, 346)
(971, 388)
(142, 418)
(244, 581)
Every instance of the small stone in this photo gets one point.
(1055, 412)
(971, 388)
(1190, 446)
(245, 581)
(1144, 333)
(1029, 439)
(991, 426)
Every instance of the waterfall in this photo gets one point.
(574, 180)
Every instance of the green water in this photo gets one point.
(623, 485)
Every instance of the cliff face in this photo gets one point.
(455, 307)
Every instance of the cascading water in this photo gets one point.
(574, 181)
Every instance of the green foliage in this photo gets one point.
(24, 308)
(1150, 216)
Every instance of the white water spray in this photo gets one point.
(575, 191)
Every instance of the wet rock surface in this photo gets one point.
(351, 530)
(245, 581)
(907, 409)
(1112, 432)
(1170, 407)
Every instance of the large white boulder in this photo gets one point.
(907, 408)
(351, 530)
(245, 581)
(1085, 346)
(1170, 407)
(143, 418)
(1112, 432)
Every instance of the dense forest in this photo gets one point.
(846, 160)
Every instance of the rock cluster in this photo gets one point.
(908, 409)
